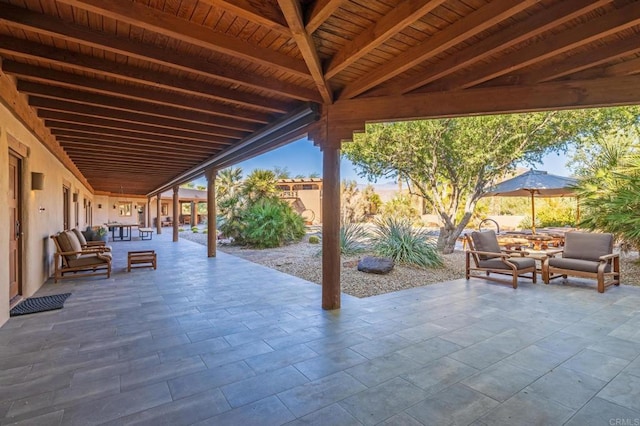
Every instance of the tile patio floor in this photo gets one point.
(227, 342)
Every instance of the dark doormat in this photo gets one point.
(34, 305)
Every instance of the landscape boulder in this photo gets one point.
(375, 265)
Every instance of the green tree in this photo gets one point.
(450, 161)
(281, 172)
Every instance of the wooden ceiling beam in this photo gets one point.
(124, 131)
(17, 104)
(57, 127)
(40, 53)
(138, 127)
(553, 95)
(478, 21)
(156, 21)
(122, 106)
(151, 80)
(271, 19)
(66, 135)
(119, 158)
(319, 12)
(24, 19)
(292, 11)
(576, 63)
(131, 147)
(537, 24)
(109, 143)
(548, 47)
(624, 68)
(53, 105)
(405, 14)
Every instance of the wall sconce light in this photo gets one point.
(75, 197)
(114, 206)
(37, 181)
(99, 206)
(84, 202)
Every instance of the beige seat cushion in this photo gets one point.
(69, 242)
(81, 238)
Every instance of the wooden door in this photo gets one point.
(66, 208)
(14, 223)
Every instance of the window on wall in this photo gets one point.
(66, 207)
(125, 208)
(164, 209)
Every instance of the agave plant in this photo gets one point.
(397, 239)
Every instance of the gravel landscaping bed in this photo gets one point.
(303, 260)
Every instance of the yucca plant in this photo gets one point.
(353, 237)
(397, 239)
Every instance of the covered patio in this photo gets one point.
(223, 341)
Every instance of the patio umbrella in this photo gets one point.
(534, 183)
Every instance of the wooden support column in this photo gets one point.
(176, 212)
(331, 225)
(148, 210)
(212, 233)
(158, 212)
(194, 220)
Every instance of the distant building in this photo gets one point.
(304, 195)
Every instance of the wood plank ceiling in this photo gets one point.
(139, 92)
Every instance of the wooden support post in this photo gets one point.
(192, 209)
(331, 225)
(158, 212)
(176, 210)
(148, 210)
(212, 232)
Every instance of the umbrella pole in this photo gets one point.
(533, 214)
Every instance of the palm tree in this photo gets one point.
(228, 182)
(259, 184)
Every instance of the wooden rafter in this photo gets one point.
(99, 145)
(65, 31)
(597, 28)
(476, 22)
(319, 12)
(108, 141)
(514, 34)
(245, 9)
(148, 80)
(399, 18)
(588, 59)
(139, 127)
(46, 106)
(154, 20)
(293, 14)
(116, 101)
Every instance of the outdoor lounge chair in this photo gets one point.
(587, 255)
(71, 257)
(89, 244)
(485, 256)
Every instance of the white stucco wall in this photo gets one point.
(37, 225)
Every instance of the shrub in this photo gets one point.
(397, 239)
(271, 223)
(204, 231)
(314, 240)
(400, 207)
(180, 229)
(352, 238)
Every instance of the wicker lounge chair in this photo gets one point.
(587, 255)
(71, 257)
(485, 257)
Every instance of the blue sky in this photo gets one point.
(303, 158)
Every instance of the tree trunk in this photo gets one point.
(447, 239)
